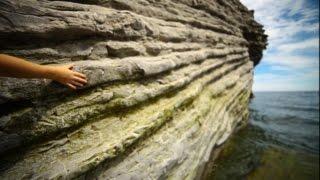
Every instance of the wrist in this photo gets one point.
(48, 72)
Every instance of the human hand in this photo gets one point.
(65, 75)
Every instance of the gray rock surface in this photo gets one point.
(168, 81)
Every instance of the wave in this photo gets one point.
(285, 124)
(297, 108)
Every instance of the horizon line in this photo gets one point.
(285, 90)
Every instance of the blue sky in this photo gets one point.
(291, 61)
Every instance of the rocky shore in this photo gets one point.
(169, 80)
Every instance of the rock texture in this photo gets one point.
(169, 80)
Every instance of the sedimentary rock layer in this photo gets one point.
(168, 81)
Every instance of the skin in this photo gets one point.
(19, 68)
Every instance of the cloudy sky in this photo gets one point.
(291, 61)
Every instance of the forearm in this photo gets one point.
(15, 67)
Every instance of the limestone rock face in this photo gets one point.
(169, 80)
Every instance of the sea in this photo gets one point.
(281, 141)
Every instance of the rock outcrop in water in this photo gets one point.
(169, 80)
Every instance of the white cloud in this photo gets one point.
(287, 24)
(271, 14)
(293, 62)
(296, 8)
(302, 45)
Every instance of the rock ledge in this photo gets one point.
(169, 81)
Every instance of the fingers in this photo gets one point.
(80, 75)
(80, 80)
(70, 66)
(75, 79)
(71, 86)
(77, 83)
(74, 84)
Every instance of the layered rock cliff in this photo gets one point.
(169, 80)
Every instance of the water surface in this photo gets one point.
(280, 142)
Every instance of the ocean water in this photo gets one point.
(280, 142)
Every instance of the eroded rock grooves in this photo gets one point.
(168, 81)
